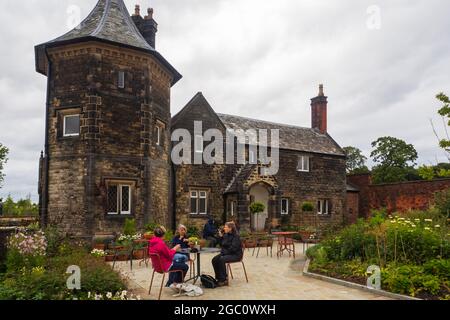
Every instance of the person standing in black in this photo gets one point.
(231, 252)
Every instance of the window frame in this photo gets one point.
(65, 116)
(321, 203)
(119, 199)
(198, 198)
(121, 80)
(287, 206)
(158, 135)
(304, 163)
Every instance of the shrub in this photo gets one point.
(149, 227)
(257, 207)
(129, 228)
(193, 231)
(307, 206)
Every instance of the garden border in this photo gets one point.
(353, 285)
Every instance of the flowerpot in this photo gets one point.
(148, 236)
(138, 254)
(202, 243)
(109, 258)
(99, 246)
(305, 235)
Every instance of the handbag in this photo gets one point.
(208, 282)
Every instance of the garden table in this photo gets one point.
(198, 253)
(285, 242)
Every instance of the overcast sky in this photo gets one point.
(382, 63)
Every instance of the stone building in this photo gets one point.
(311, 170)
(107, 140)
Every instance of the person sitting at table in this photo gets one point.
(158, 246)
(181, 239)
(209, 233)
(231, 252)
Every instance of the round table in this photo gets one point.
(198, 253)
(284, 242)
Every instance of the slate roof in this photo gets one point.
(108, 22)
(291, 137)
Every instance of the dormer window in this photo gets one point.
(121, 80)
(303, 164)
(71, 125)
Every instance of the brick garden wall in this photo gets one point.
(396, 196)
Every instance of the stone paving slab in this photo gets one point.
(269, 279)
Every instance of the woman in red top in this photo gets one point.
(158, 246)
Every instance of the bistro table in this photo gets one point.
(285, 242)
(198, 253)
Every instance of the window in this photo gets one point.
(119, 199)
(71, 125)
(199, 202)
(158, 135)
(198, 144)
(121, 80)
(284, 206)
(251, 156)
(303, 164)
(232, 208)
(323, 207)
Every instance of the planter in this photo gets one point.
(109, 258)
(250, 243)
(306, 235)
(138, 254)
(99, 246)
(203, 243)
(148, 236)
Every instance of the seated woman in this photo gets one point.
(182, 240)
(231, 252)
(158, 246)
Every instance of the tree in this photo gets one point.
(3, 159)
(395, 159)
(356, 161)
(444, 111)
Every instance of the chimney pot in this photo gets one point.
(150, 14)
(137, 10)
(321, 94)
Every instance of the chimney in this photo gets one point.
(147, 26)
(150, 28)
(319, 112)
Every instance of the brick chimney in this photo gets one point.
(319, 112)
(147, 26)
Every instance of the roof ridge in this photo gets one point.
(266, 121)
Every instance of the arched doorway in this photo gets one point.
(259, 193)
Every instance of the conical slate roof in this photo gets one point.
(108, 22)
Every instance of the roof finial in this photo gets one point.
(321, 94)
(150, 14)
(137, 10)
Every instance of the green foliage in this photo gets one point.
(307, 206)
(49, 280)
(168, 236)
(257, 207)
(3, 160)
(442, 202)
(356, 161)
(193, 231)
(55, 240)
(395, 160)
(149, 227)
(426, 172)
(442, 170)
(129, 228)
(444, 111)
(23, 207)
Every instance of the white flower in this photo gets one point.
(109, 295)
(437, 226)
(428, 220)
(426, 228)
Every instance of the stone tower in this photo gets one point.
(107, 139)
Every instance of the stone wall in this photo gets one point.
(117, 138)
(416, 195)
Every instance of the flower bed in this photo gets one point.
(413, 252)
(36, 268)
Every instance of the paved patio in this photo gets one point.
(269, 279)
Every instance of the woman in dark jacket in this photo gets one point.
(231, 252)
